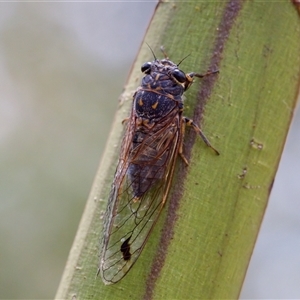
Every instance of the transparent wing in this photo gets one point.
(139, 191)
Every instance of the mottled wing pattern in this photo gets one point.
(131, 216)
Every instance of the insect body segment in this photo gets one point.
(152, 141)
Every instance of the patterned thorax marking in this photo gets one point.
(161, 90)
(162, 77)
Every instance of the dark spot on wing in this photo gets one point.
(125, 249)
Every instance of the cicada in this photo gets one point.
(153, 139)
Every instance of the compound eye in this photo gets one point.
(179, 75)
(146, 67)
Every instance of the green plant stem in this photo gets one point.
(202, 244)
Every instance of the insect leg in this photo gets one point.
(125, 121)
(162, 49)
(190, 77)
(193, 74)
(180, 151)
(190, 122)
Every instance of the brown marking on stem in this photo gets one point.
(297, 5)
(230, 13)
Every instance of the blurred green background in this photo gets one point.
(62, 69)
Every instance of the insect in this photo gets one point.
(152, 141)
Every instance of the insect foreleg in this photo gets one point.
(193, 74)
(124, 121)
(190, 122)
(180, 151)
